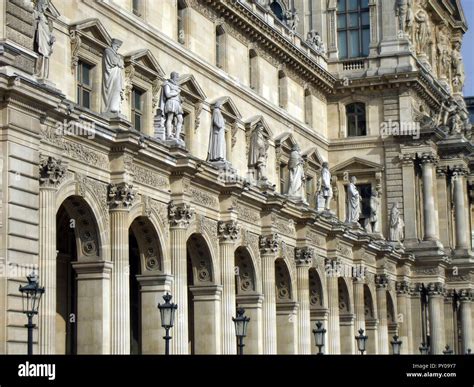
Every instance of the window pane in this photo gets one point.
(79, 72)
(78, 97)
(354, 19)
(353, 5)
(364, 4)
(138, 122)
(354, 44)
(365, 42)
(365, 19)
(341, 5)
(86, 100)
(342, 43)
(86, 80)
(351, 126)
(341, 21)
(138, 100)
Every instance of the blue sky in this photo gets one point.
(468, 48)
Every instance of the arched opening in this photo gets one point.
(286, 310)
(203, 298)
(317, 310)
(277, 9)
(346, 319)
(370, 321)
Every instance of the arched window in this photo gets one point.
(356, 121)
(353, 28)
(277, 9)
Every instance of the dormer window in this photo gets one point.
(353, 28)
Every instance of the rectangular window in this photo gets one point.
(137, 7)
(84, 84)
(353, 28)
(181, 22)
(310, 191)
(137, 109)
(283, 178)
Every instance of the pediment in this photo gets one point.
(93, 30)
(191, 88)
(145, 61)
(312, 155)
(52, 10)
(285, 140)
(252, 122)
(227, 107)
(357, 165)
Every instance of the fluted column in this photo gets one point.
(359, 307)
(268, 249)
(121, 198)
(334, 335)
(409, 197)
(303, 258)
(436, 312)
(381, 283)
(429, 210)
(51, 171)
(460, 208)
(179, 217)
(465, 296)
(404, 310)
(228, 233)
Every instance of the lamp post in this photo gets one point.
(424, 349)
(447, 350)
(396, 345)
(319, 333)
(468, 352)
(167, 312)
(241, 323)
(31, 295)
(361, 341)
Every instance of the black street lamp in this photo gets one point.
(241, 323)
(396, 345)
(361, 341)
(468, 352)
(424, 349)
(167, 311)
(319, 333)
(31, 295)
(447, 350)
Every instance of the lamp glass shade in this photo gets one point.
(319, 333)
(396, 345)
(31, 295)
(167, 312)
(361, 341)
(241, 323)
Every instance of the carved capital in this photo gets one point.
(428, 158)
(121, 196)
(228, 231)
(407, 159)
(459, 171)
(435, 289)
(51, 172)
(180, 215)
(381, 281)
(269, 243)
(304, 255)
(465, 295)
(402, 287)
(441, 171)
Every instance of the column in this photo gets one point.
(179, 217)
(443, 212)
(404, 314)
(417, 333)
(429, 210)
(409, 198)
(465, 296)
(381, 283)
(332, 31)
(303, 258)
(93, 307)
(268, 249)
(449, 324)
(51, 173)
(436, 312)
(359, 307)
(228, 233)
(121, 197)
(334, 335)
(461, 227)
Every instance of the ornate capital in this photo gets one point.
(402, 287)
(304, 255)
(51, 172)
(465, 295)
(180, 215)
(269, 243)
(428, 158)
(459, 170)
(228, 231)
(435, 289)
(121, 196)
(381, 281)
(407, 159)
(441, 170)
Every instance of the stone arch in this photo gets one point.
(316, 293)
(284, 280)
(369, 310)
(246, 275)
(203, 268)
(150, 249)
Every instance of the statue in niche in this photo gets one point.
(258, 153)
(171, 107)
(315, 41)
(401, 12)
(373, 223)
(458, 68)
(292, 20)
(44, 38)
(353, 202)
(396, 224)
(409, 18)
(423, 33)
(297, 176)
(325, 193)
(448, 107)
(217, 144)
(454, 123)
(112, 80)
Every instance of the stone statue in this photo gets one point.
(325, 190)
(315, 41)
(217, 144)
(44, 39)
(448, 107)
(444, 57)
(297, 177)
(258, 153)
(353, 202)
(423, 33)
(401, 12)
(454, 123)
(292, 20)
(409, 18)
(458, 68)
(170, 107)
(396, 233)
(112, 80)
(373, 223)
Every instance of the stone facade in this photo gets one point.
(112, 214)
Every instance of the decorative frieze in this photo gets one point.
(248, 214)
(148, 177)
(199, 196)
(228, 231)
(179, 215)
(121, 196)
(51, 171)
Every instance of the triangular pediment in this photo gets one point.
(146, 61)
(286, 140)
(191, 88)
(357, 165)
(227, 106)
(52, 10)
(252, 122)
(312, 155)
(94, 30)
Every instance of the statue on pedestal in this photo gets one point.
(297, 176)
(292, 20)
(112, 79)
(423, 33)
(459, 74)
(353, 202)
(44, 39)
(373, 223)
(170, 107)
(315, 41)
(258, 153)
(396, 223)
(325, 190)
(217, 144)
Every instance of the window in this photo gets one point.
(137, 109)
(365, 191)
(277, 10)
(356, 123)
(220, 47)
(310, 198)
(181, 22)
(353, 28)
(136, 7)
(283, 175)
(84, 84)
(253, 70)
(282, 90)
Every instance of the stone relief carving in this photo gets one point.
(423, 32)
(269, 243)
(51, 171)
(148, 177)
(304, 255)
(315, 41)
(121, 196)
(228, 231)
(458, 70)
(201, 197)
(179, 215)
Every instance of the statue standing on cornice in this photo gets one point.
(405, 16)
(315, 41)
(217, 144)
(258, 153)
(396, 224)
(113, 81)
(292, 20)
(297, 176)
(44, 38)
(423, 33)
(458, 68)
(325, 193)
(170, 107)
(353, 202)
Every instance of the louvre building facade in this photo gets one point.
(307, 160)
